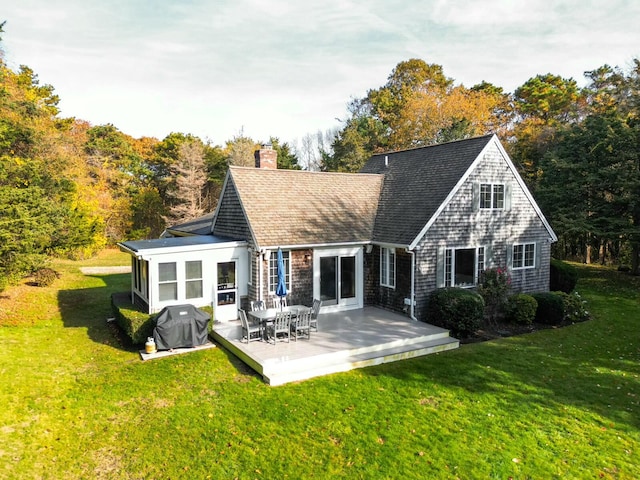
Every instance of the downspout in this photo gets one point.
(260, 262)
(413, 284)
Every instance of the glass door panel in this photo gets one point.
(328, 280)
(226, 292)
(347, 277)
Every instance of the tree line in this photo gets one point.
(578, 149)
(70, 188)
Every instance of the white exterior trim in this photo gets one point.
(493, 141)
(358, 302)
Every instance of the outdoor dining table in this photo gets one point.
(269, 315)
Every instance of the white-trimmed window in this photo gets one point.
(139, 270)
(193, 274)
(462, 266)
(524, 256)
(167, 281)
(273, 271)
(492, 195)
(388, 267)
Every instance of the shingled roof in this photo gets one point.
(293, 207)
(417, 182)
(197, 226)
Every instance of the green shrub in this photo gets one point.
(137, 325)
(457, 309)
(563, 277)
(574, 307)
(550, 309)
(43, 277)
(493, 286)
(208, 309)
(521, 308)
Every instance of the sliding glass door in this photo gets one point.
(339, 277)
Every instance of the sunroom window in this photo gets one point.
(168, 281)
(193, 272)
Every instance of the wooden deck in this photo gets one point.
(344, 341)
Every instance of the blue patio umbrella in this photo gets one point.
(281, 289)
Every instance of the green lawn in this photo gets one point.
(74, 403)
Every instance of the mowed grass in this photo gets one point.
(75, 403)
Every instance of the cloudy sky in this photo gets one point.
(285, 68)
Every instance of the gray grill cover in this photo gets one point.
(180, 326)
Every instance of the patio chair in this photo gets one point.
(301, 327)
(315, 310)
(250, 331)
(281, 326)
(278, 302)
(257, 305)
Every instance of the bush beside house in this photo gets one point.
(562, 277)
(550, 309)
(457, 309)
(521, 309)
(137, 325)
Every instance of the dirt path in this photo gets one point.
(105, 270)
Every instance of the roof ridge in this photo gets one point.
(488, 135)
(314, 172)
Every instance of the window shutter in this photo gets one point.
(476, 196)
(509, 256)
(537, 254)
(507, 196)
(440, 268)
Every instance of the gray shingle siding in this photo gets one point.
(230, 220)
(459, 226)
(416, 183)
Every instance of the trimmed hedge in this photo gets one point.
(521, 308)
(562, 277)
(550, 309)
(136, 324)
(457, 309)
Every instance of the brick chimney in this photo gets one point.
(266, 157)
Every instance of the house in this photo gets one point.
(411, 221)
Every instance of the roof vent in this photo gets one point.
(386, 161)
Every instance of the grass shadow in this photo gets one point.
(594, 365)
(90, 308)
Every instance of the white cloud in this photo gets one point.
(287, 68)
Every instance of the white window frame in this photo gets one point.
(188, 280)
(273, 270)
(449, 266)
(523, 256)
(173, 281)
(388, 267)
(495, 196)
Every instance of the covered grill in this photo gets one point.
(180, 326)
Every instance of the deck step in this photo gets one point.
(280, 374)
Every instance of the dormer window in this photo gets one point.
(492, 195)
